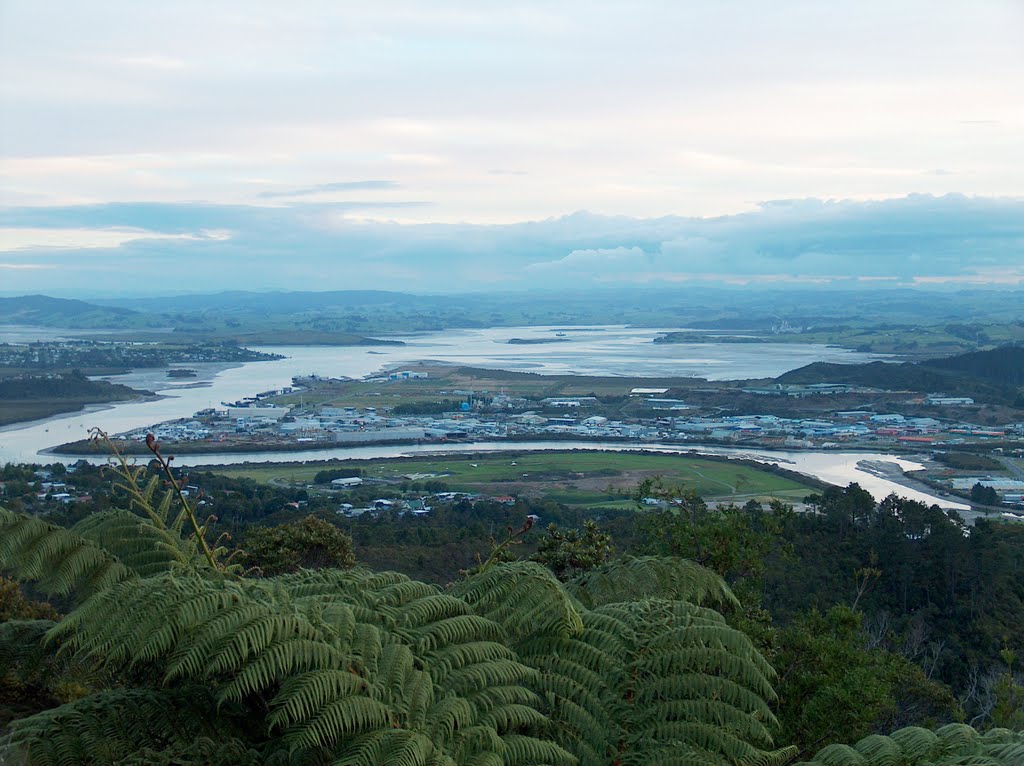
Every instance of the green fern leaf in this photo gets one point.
(58, 560)
(524, 598)
(650, 577)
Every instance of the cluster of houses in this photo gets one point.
(343, 425)
(51, 489)
(256, 420)
(420, 506)
(401, 506)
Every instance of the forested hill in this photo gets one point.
(990, 376)
(1004, 365)
(42, 310)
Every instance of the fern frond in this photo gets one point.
(655, 679)
(953, 744)
(451, 630)
(344, 718)
(953, 736)
(650, 577)
(520, 751)
(108, 726)
(141, 546)
(23, 648)
(59, 561)
(303, 695)
(914, 742)
(523, 597)
(387, 747)
(878, 749)
(280, 662)
(143, 620)
(205, 751)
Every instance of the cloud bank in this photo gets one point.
(915, 240)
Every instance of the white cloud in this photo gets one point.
(642, 109)
(954, 239)
(591, 262)
(13, 239)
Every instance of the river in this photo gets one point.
(612, 351)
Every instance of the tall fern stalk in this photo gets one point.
(130, 476)
(178, 486)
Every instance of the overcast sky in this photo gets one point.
(257, 131)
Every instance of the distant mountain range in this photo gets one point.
(275, 302)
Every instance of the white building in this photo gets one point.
(252, 413)
(949, 401)
(346, 482)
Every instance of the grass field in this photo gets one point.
(575, 478)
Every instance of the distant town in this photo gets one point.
(106, 355)
(305, 416)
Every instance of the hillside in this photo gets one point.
(987, 376)
(42, 310)
(1004, 365)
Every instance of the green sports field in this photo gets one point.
(574, 478)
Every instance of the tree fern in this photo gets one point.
(335, 665)
(98, 552)
(628, 664)
(673, 678)
(108, 726)
(644, 675)
(952, 745)
(145, 548)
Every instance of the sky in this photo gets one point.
(454, 146)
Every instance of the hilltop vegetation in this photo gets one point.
(1004, 365)
(994, 376)
(732, 635)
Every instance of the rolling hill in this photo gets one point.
(993, 376)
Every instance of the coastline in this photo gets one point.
(82, 409)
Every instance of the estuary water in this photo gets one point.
(611, 351)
